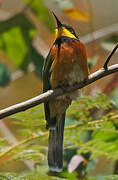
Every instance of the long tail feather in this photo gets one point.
(55, 148)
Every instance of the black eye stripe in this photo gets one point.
(71, 30)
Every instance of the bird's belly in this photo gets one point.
(66, 74)
(75, 75)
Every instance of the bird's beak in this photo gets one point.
(57, 20)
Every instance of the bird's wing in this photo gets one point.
(46, 72)
(83, 59)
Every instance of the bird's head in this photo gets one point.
(64, 30)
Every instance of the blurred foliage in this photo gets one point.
(16, 40)
(90, 131)
(4, 75)
(35, 176)
(115, 97)
(13, 44)
(28, 176)
(37, 60)
(110, 42)
(42, 12)
(18, 32)
(92, 61)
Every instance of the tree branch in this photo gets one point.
(51, 94)
(24, 141)
(109, 57)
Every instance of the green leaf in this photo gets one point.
(30, 121)
(4, 75)
(34, 175)
(13, 44)
(16, 39)
(115, 97)
(67, 175)
(3, 142)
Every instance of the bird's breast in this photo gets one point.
(67, 67)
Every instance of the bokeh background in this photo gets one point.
(26, 35)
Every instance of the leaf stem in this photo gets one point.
(21, 143)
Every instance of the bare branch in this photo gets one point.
(57, 92)
(109, 57)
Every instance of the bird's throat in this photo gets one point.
(63, 32)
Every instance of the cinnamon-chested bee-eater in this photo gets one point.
(66, 64)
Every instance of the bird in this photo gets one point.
(65, 65)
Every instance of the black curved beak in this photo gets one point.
(57, 20)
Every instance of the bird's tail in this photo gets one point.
(55, 149)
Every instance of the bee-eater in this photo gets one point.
(66, 64)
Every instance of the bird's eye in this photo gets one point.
(71, 30)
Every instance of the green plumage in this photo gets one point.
(46, 72)
(46, 83)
